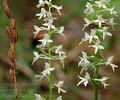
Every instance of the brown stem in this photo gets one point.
(13, 37)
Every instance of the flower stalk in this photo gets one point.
(95, 37)
(48, 51)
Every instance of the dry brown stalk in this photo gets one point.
(13, 37)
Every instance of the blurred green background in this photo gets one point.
(24, 11)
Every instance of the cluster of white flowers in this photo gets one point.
(95, 38)
(48, 51)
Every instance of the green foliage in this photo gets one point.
(28, 95)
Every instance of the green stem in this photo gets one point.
(96, 86)
(50, 89)
(96, 93)
(49, 52)
(50, 86)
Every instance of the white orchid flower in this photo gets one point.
(84, 80)
(46, 40)
(105, 32)
(109, 62)
(59, 85)
(59, 98)
(38, 97)
(97, 46)
(89, 9)
(42, 14)
(103, 81)
(84, 62)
